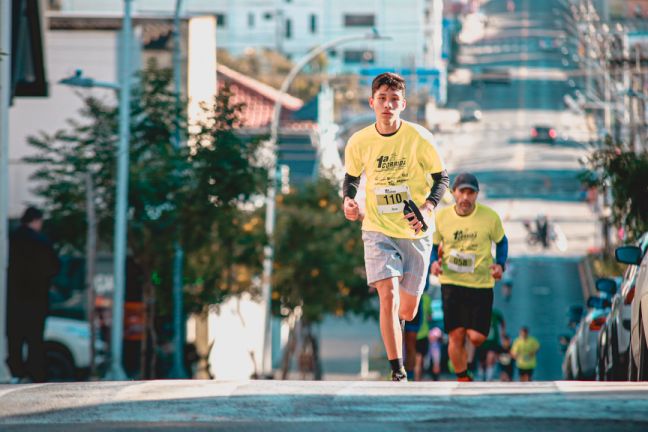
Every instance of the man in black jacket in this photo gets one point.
(32, 265)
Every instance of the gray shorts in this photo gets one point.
(387, 257)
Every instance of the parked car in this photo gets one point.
(581, 356)
(491, 75)
(67, 349)
(542, 133)
(469, 112)
(614, 339)
(638, 363)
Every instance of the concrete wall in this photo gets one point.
(65, 51)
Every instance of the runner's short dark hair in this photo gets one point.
(390, 79)
(30, 215)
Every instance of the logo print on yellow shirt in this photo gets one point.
(389, 163)
(460, 235)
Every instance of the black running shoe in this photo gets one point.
(400, 375)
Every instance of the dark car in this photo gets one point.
(546, 134)
(469, 112)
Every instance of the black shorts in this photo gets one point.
(422, 346)
(470, 308)
(525, 372)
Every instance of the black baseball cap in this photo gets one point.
(465, 180)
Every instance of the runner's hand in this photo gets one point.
(351, 209)
(426, 210)
(496, 271)
(436, 269)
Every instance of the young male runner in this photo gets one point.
(401, 164)
(466, 270)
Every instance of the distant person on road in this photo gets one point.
(505, 360)
(405, 180)
(466, 270)
(524, 352)
(32, 265)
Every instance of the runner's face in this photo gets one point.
(387, 104)
(465, 199)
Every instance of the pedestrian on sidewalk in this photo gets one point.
(406, 179)
(466, 232)
(32, 265)
(524, 350)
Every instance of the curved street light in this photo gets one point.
(268, 250)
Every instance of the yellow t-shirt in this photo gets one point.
(397, 168)
(525, 352)
(466, 243)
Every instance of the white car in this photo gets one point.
(614, 341)
(67, 349)
(581, 357)
(638, 364)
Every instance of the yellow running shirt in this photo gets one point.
(397, 167)
(525, 351)
(466, 243)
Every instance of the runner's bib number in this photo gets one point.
(390, 199)
(461, 262)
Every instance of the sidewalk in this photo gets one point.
(324, 405)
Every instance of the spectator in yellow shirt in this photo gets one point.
(524, 352)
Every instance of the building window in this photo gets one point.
(359, 20)
(359, 56)
(288, 32)
(220, 20)
(313, 23)
(251, 20)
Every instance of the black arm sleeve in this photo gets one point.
(350, 186)
(441, 183)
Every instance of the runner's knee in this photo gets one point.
(476, 338)
(389, 301)
(408, 314)
(457, 336)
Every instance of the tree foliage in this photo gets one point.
(319, 255)
(196, 194)
(626, 173)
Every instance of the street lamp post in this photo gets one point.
(268, 250)
(5, 97)
(121, 205)
(177, 370)
(116, 371)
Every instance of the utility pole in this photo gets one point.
(116, 371)
(91, 253)
(177, 370)
(5, 99)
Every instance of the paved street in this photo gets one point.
(323, 406)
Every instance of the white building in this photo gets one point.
(295, 26)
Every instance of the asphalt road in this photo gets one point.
(323, 406)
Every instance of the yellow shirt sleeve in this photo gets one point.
(352, 161)
(428, 153)
(436, 237)
(515, 347)
(498, 229)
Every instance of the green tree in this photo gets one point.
(199, 194)
(626, 174)
(318, 269)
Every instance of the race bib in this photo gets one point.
(390, 199)
(461, 262)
